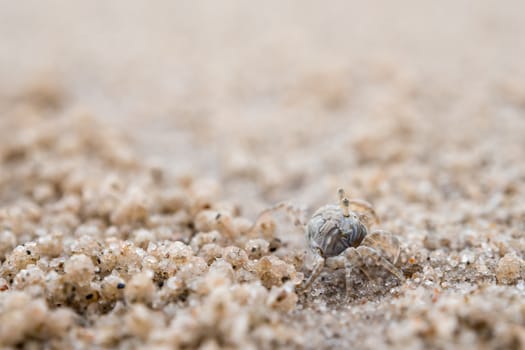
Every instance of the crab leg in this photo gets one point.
(318, 267)
(367, 252)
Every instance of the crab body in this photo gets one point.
(329, 232)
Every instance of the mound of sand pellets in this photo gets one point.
(100, 250)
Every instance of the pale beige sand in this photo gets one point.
(126, 128)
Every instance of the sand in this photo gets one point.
(139, 143)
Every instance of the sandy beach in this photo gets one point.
(141, 142)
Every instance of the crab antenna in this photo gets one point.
(344, 202)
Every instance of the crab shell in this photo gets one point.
(331, 233)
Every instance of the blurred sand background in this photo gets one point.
(418, 107)
(225, 81)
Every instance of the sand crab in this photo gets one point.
(339, 236)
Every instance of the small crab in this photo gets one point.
(340, 237)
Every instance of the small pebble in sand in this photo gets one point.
(509, 269)
(256, 248)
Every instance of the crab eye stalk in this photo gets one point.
(344, 202)
(341, 193)
(345, 205)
